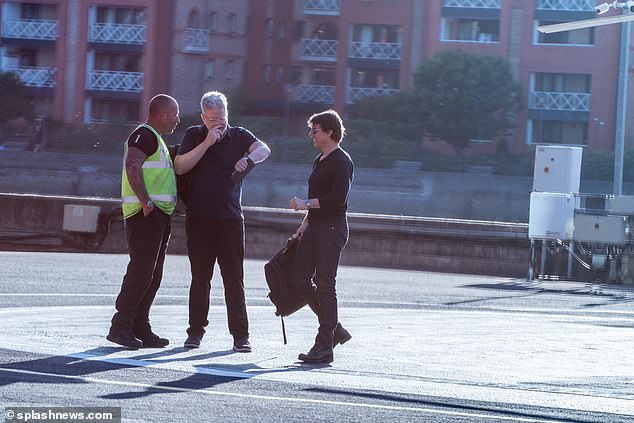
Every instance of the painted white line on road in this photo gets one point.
(282, 399)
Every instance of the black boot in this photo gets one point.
(340, 335)
(318, 354)
(124, 337)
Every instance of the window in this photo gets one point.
(474, 30)
(210, 69)
(232, 23)
(212, 22)
(281, 30)
(229, 70)
(559, 82)
(279, 75)
(300, 29)
(583, 36)
(558, 132)
(269, 27)
(193, 20)
(121, 15)
(266, 74)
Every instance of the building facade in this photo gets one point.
(91, 60)
(94, 60)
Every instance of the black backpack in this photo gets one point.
(283, 293)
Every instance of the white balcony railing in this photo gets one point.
(308, 93)
(117, 33)
(315, 49)
(115, 81)
(196, 40)
(33, 76)
(355, 94)
(477, 4)
(544, 100)
(34, 29)
(568, 5)
(322, 7)
(381, 51)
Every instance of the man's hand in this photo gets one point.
(241, 165)
(147, 208)
(213, 135)
(298, 204)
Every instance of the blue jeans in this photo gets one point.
(315, 272)
(147, 243)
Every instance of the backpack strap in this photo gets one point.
(283, 330)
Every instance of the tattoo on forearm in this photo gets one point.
(133, 167)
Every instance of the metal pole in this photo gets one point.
(621, 106)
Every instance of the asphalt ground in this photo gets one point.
(425, 347)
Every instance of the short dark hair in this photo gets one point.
(329, 120)
(159, 103)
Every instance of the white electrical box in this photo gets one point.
(557, 169)
(623, 204)
(600, 229)
(80, 218)
(551, 215)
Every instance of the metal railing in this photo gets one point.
(115, 81)
(196, 40)
(35, 76)
(322, 7)
(117, 33)
(316, 49)
(355, 94)
(477, 4)
(381, 51)
(545, 100)
(308, 93)
(568, 5)
(35, 29)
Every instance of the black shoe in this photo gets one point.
(125, 338)
(340, 336)
(193, 341)
(318, 354)
(152, 340)
(242, 344)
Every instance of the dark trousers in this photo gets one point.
(317, 259)
(209, 240)
(147, 243)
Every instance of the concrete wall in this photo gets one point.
(35, 222)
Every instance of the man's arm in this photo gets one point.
(258, 152)
(133, 168)
(183, 163)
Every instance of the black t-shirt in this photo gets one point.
(211, 192)
(143, 139)
(330, 183)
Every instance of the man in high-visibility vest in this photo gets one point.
(148, 194)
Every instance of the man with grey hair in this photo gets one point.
(213, 154)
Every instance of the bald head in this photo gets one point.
(160, 103)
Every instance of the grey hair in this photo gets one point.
(213, 100)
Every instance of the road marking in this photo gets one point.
(213, 392)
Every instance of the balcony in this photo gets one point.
(567, 5)
(319, 50)
(31, 29)
(117, 33)
(196, 40)
(322, 7)
(544, 100)
(355, 94)
(102, 80)
(475, 4)
(308, 93)
(377, 51)
(33, 76)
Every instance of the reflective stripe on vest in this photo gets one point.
(159, 178)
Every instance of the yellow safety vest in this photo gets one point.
(159, 178)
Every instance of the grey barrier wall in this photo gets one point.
(35, 222)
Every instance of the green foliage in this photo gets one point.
(14, 100)
(101, 138)
(378, 143)
(462, 96)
